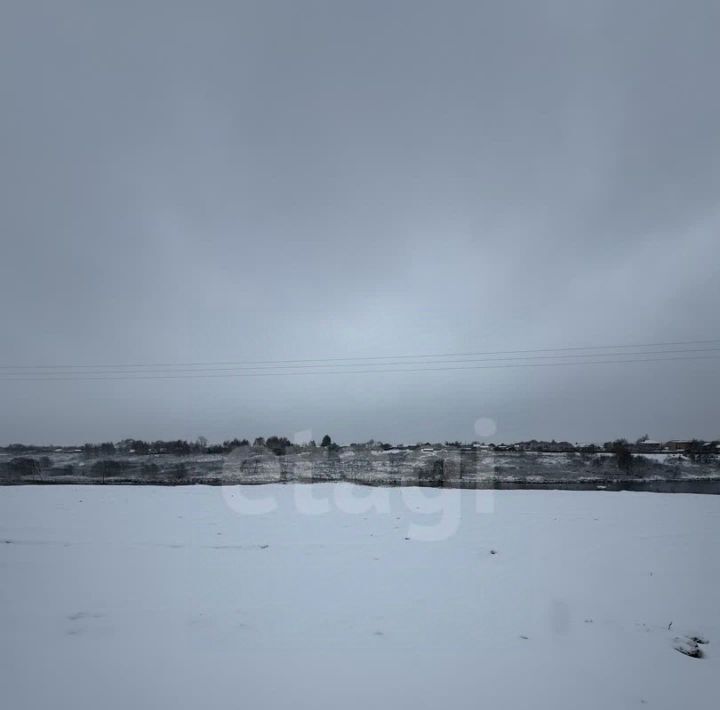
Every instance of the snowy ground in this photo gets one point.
(173, 598)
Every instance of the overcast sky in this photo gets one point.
(231, 181)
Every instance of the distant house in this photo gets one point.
(677, 444)
(590, 448)
(649, 446)
(555, 447)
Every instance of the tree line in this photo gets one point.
(279, 445)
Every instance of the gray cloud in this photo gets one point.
(275, 180)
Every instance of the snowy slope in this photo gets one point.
(145, 597)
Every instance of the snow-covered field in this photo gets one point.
(190, 597)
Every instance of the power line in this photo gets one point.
(83, 377)
(570, 358)
(367, 358)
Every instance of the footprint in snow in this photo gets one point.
(78, 627)
(690, 645)
(79, 615)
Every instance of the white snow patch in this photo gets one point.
(152, 597)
